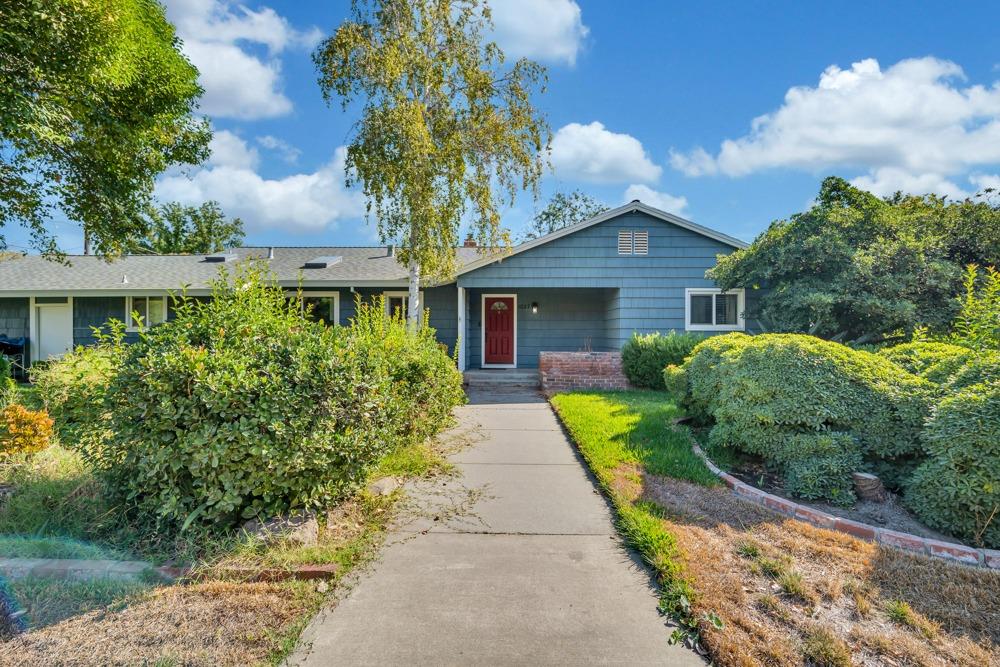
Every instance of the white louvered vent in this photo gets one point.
(624, 242)
(640, 243)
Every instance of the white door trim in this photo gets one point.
(482, 330)
(33, 339)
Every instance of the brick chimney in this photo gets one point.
(469, 242)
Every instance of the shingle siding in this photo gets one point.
(14, 317)
(635, 293)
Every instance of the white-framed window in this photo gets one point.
(711, 309)
(320, 306)
(633, 242)
(397, 302)
(152, 310)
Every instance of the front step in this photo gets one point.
(502, 378)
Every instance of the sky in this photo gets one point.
(726, 113)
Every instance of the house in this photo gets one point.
(588, 286)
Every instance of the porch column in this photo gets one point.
(460, 340)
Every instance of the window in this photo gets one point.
(152, 310)
(320, 306)
(713, 310)
(633, 242)
(396, 302)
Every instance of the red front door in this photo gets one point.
(499, 345)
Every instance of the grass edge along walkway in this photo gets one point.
(620, 434)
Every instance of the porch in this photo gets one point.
(506, 328)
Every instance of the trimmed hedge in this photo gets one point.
(645, 356)
(935, 362)
(958, 489)
(241, 406)
(812, 407)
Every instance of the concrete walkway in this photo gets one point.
(527, 570)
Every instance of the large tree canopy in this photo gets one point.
(858, 268)
(447, 133)
(96, 100)
(175, 229)
(563, 210)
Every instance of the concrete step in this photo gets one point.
(502, 378)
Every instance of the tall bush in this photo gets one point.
(811, 406)
(957, 490)
(978, 323)
(242, 407)
(645, 356)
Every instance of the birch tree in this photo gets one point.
(447, 133)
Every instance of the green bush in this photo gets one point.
(645, 356)
(984, 366)
(935, 362)
(241, 406)
(957, 490)
(790, 398)
(72, 390)
(705, 373)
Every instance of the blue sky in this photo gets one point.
(650, 99)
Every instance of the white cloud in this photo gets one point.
(228, 150)
(594, 154)
(983, 181)
(546, 30)
(285, 150)
(304, 202)
(911, 126)
(661, 200)
(237, 82)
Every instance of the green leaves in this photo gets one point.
(177, 229)
(96, 100)
(644, 357)
(563, 210)
(857, 268)
(447, 130)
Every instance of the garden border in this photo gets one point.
(914, 544)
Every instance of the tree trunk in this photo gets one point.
(414, 307)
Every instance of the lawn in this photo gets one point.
(753, 588)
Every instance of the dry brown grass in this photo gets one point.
(204, 624)
(792, 594)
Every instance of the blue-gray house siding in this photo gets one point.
(588, 294)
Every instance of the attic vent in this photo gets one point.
(632, 242)
(640, 243)
(624, 242)
(222, 257)
(323, 262)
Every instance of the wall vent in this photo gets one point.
(624, 242)
(323, 262)
(640, 243)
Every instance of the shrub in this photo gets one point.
(241, 406)
(978, 323)
(957, 490)
(73, 389)
(811, 406)
(705, 372)
(935, 362)
(24, 431)
(645, 356)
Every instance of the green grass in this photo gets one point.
(622, 427)
(18, 546)
(47, 600)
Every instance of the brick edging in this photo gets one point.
(956, 553)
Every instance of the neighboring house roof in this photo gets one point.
(631, 207)
(357, 266)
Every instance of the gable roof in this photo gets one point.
(634, 206)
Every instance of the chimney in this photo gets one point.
(469, 242)
(270, 252)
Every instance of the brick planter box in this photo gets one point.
(565, 371)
